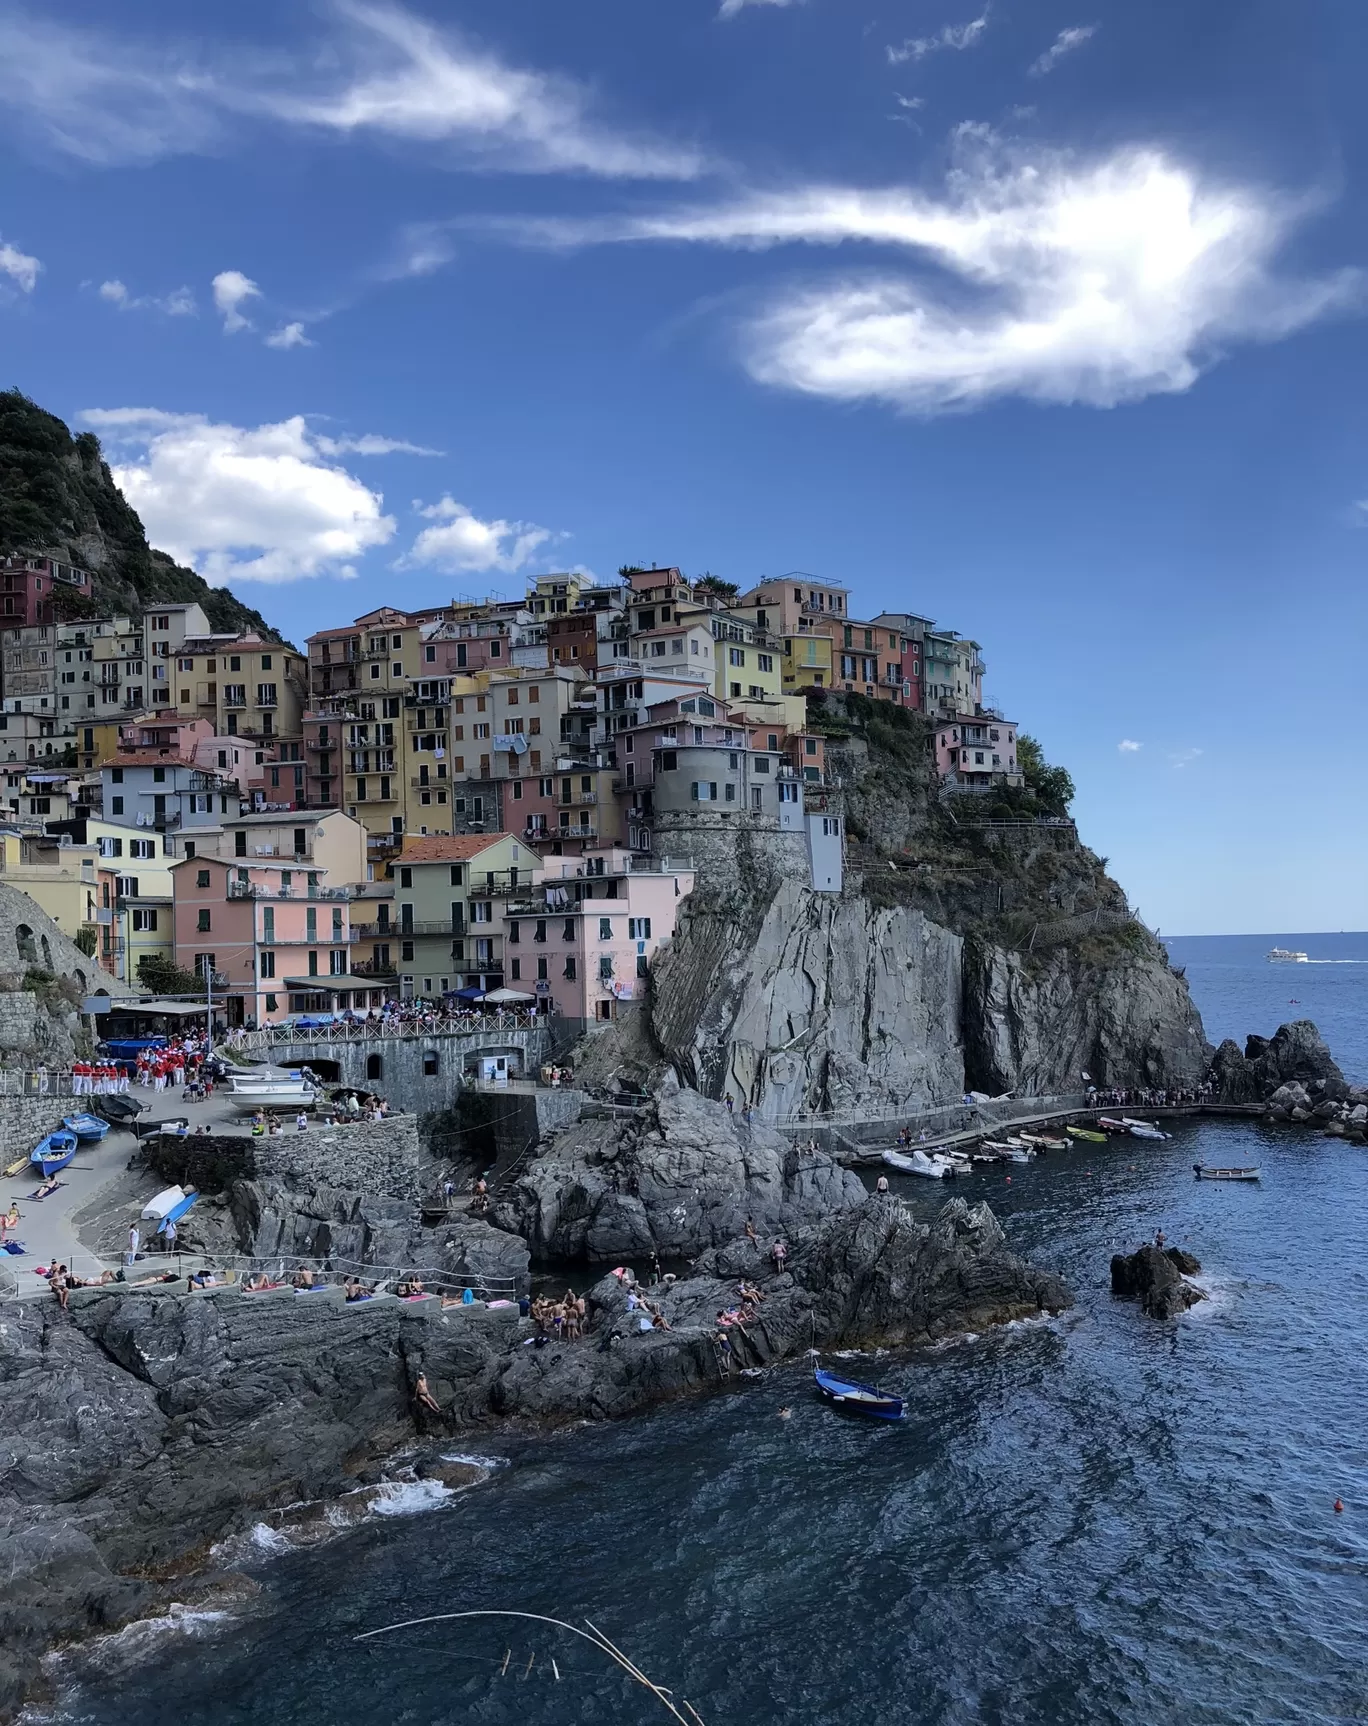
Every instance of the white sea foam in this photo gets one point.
(473, 1461)
(409, 1497)
(136, 1641)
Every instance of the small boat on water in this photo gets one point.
(1086, 1133)
(1203, 1173)
(935, 1168)
(1143, 1129)
(1110, 1124)
(85, 1126)
(858, 1398)
(53, 1153)
(1055, 1144)
(1006, 1151)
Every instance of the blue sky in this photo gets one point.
(1044, 319)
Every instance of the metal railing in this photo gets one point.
(370, 1030)
(22, 1084)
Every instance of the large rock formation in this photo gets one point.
(1157, 1279)
(145, 1424)
(1292, 1071)
(685, 1174)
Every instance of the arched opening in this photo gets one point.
(375, 1066)
(432, 1062)
(329, 1071)
(28, 947)
(80, 977)
(47, 953)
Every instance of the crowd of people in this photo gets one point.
(1150, 1097)
(401, 1018)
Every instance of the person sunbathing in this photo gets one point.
(303, 1278)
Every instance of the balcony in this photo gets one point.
(444, 926)
(165, 823)
(374, 968)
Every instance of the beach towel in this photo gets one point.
(14, 1248)
(34, 1199)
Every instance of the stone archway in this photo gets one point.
(28, 947)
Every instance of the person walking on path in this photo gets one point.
(134, 1242)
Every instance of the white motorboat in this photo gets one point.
(918, 1163)
(1285, 956)
(1143, 1129)
(254, 1088)
(1007, 1151)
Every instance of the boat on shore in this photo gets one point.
(1285, 956)
(85, 1126)
(253, 1088)
(935, 1168)
(858, 1398)
(1205, 1173)
(53, 1153)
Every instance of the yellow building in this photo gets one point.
(135, 895)
(62, 879)
(244, 686)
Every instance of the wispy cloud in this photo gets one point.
(382, 71)
(242, 503)
(459, 542)
(21, 269)
(956, 36)
(731, 8)
(911, 102)
(368, 444)
(1128, 746)
(232, 291)
(289, 336)
(1034, 273)
(179, 303)
(1065, 43)
(1180, 758)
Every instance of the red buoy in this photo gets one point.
(1339, 1506)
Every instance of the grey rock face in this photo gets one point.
(1037, 1025)
(1232, 1077)
(1155, 1279)
(1297, 1053)
(686, 1178)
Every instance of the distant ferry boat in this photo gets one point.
(1282, 956)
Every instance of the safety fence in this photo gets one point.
(36, 1084)
(369, 1030)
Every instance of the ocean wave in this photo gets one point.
(409, 1497)
(135, 1642)
(471, 1460)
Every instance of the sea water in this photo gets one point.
(1094, 1518)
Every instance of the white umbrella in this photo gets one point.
(500, 996)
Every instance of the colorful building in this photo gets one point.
(977, 751)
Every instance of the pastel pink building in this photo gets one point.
(275, 937)
(975, 751)
(584, 936)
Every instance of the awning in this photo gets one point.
(328, 985)
(469, 994)
(504, 997)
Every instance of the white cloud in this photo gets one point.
(1034, 273)
(1180, 758)
(912, 102)
(461, 543)
(232, 290)
(1128, 746)
(289, 336)
(730, 8)
(242, 503)
(957, 36)
(369, 444)
(21, 269)
(178, 304)
(381, 71)
(1065, 43)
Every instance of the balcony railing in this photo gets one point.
(374, 968)
(373, 931)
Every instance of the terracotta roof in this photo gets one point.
(447, 847)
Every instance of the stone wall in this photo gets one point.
(402, 1080)
(25, 1120)
(379, 1158)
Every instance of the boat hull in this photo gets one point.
(918, 1163)
(854, 1398)
(85, 1127)
(1237, 1174)
(53, 1153)
(247, 1098)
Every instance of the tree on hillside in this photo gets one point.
(1052, 787)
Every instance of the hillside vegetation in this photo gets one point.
(57, 496)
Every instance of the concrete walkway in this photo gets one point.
(46, 1227)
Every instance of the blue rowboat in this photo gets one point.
(177, 1211)
(85, 1126)
(54, 1153)
(859, 1398)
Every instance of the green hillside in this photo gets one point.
(57, 496)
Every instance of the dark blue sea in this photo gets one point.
(1096, 1519)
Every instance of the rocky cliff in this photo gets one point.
(145, 1424)
(57, 497)
(960, 955)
